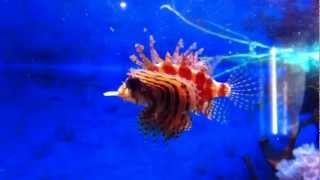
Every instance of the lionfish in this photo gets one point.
(171, 88)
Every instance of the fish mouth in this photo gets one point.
(111, 93)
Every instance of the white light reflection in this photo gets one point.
(273, 85)
(123, 5)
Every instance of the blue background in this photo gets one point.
(58, 57)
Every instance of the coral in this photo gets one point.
(305, 165)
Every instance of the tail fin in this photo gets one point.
(220, 109)
(245, 90)
(244, 95)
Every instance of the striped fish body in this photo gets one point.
(167, 100)
(171, 89)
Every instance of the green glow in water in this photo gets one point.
(305, 57)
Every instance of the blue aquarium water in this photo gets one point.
(59, 58)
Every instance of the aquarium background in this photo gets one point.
(58, 57)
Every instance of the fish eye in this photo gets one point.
(133, 84)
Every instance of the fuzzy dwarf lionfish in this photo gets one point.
(172, 88)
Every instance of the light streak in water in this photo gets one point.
(75, 68)
(224, 29)
(220, 35)
(274, 95)
(304, 57)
